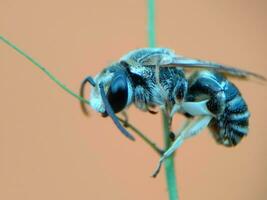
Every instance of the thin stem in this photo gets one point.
(143, 136)
(151, 24)
(41, 67)
(64, 87)
(169, 163)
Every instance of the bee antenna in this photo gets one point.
(111, 113)
(90, 80)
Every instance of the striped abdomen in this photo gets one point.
(230, 123)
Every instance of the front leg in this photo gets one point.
(141, 98)
(126, 118)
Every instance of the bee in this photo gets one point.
(157, 77)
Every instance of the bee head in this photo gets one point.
(117, 88)
(111, 92)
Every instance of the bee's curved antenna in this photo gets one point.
(90, 80)
(111, 113)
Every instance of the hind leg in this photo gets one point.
(190, 129)
(193, 108)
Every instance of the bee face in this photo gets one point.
(117, 87)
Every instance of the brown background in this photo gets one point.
(50, 150)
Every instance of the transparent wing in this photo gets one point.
(164, 57)
(189, 63)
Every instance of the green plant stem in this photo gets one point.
(169, 163)
(64, 87)
(143, 136)
(151, 24)
(41, 67)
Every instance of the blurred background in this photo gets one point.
(50, 150)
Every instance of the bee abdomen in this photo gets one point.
(232, 125)
(231, 116)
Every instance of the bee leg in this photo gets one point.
(172, 136)
(192, 128)
(193, 108)
(176, 108)
(196, 108)
(126, 118)
(141, 97)
(152, 111)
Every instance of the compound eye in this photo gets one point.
(118, 93)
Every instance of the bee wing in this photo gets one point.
(167, 58)
(189, 63)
